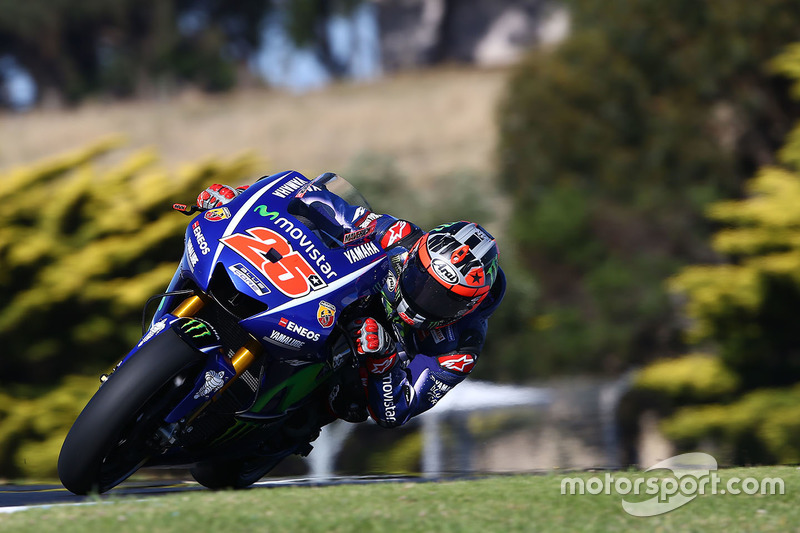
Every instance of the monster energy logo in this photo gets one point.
(492, 270)
(265, 212)
(196, 329)
(443, 226)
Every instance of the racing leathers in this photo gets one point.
(417, 367)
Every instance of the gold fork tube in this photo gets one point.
(189, 307)
(241, 360)
(245, 356)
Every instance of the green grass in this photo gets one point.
(514, 503)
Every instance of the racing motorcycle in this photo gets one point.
(229, 377)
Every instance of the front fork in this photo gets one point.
(243, 357)
(190, 408)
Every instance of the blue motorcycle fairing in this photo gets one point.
(259, 223)
(241, 237)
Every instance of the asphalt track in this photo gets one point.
(15, 498)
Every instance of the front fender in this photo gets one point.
(203, 339)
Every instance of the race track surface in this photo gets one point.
(20, 497)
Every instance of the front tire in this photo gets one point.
(106, 444)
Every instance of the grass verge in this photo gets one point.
(514, 503)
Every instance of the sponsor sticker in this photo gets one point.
(462, 362)
(379, 366)
(264, 211)
(214, 382)
(444, 271)
(153, 331)
(215, 215)
(306, 188)
(296, 362)
(289, 187)
(252, 281)
(399, 229)
(357, 234)
(367, 220)
(201, 239)
(275, 258)
(391, 282)
(361, 252)
(389, 407)
(198, 329)
(340, 357)
(300, 330)
(326, 314)
(437, 391)
(284, 341)
(191, 254)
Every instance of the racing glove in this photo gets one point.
(218, 195)
(376, 344)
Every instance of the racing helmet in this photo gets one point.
(446, 274)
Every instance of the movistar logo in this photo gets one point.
(196, 328)
(265, 212)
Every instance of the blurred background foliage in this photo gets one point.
(84, 242)
(611, 147)
(648, 159)
(743, 399)
(82, 247)
(124, 48)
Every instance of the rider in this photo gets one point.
(440, 291)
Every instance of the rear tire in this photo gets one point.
(106, 444)
(237, 473)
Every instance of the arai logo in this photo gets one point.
(445, 272)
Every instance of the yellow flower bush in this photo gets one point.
(86, 238)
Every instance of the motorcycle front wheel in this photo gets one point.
(112, 437)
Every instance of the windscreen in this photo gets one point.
(341, 188)
(320, 215)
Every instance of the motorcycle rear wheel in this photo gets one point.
(237, 473)
(109, 440)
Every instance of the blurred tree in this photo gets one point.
(127, 47)
(121, 47)
(744, 397)
(612, 144)
(307, 26)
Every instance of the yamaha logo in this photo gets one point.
(445, 272)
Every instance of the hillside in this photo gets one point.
(430, 122)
